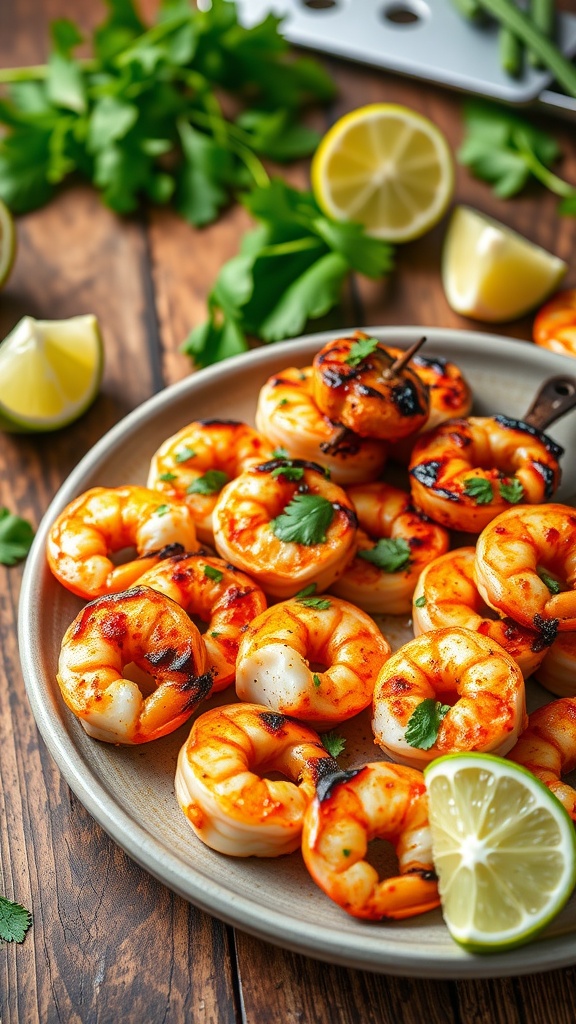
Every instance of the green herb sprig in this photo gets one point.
(424, 723)
(16, 536)
(15, 921)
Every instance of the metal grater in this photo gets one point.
(425, 39)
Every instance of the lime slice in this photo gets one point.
(504, 850)
(492, 273)
(50, 372)
(7, 242)
(386, 167)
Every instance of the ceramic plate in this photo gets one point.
(129, 791)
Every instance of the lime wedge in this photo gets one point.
(50, 372)
(387, 167)
(492, 273)
(504, 850)
(7, 242)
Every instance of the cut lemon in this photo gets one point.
(386, 167)
(7, 242)
(50, 372)
(490, 272)
(504, 850)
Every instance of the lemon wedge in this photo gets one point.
(50, 372)
(7, 242)
(387, 167)
(504, 850)
(492, 273)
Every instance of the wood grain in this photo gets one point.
(109, 942)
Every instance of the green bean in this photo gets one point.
(543, 17)
(511, 52)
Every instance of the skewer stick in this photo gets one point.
(403, 360)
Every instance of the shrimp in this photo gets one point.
(377, 801)
(355, 383)
(220, 596)
(104, 520)
(525, 567)
(446, 595)
(223, 785)
(557, 672)
(111, 635)
(395, 542)
(554, 325)
(467, 471)
(464, 691)
(547, 748)
(314, 658)
(286, 525)
(193, 465)
(288, 415)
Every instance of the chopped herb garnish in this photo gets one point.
(306, 591)
(320, 603)
(304, 520)
(424, 723)
(479, 489)
(316, 679)
(168, 477)
(15, 921)
(213, 574)
(552, 584)
(184, 454)
(211, 483)
(390, 554)
(282, 403)
(16, 536)
(289, 472)
(420, 601)
(215, 633)
(162, 510)
(333, 742)
(346, 852)
(280, 453)
(511, 491)
(361, 349)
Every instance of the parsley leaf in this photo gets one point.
(184, 454)
(280, 453)
(424, 723)
(511, 490)
(552, 584)
(14, 921)
(306, 591)
(211, 482)
(361, 349)
(316, 679)
(304, 520)
(320, 603)
(420, 602)
(390, 554)
(333, 742)
(213, 574)
(289, 472)
(479, 489)
(16, 536)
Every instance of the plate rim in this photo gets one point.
(149, 852)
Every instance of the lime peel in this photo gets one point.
(7, 242)
(504, 850)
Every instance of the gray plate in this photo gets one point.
(129, 791)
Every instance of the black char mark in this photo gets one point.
(327, 783)
(548, 475)
(220, 423)
(345, 443)
(407, 400)
(273, 721)
(507, 421)
(548, 630)
(334, 379)
(272, 464)
(426, 473)
(436, 363)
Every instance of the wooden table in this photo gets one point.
(108, 941)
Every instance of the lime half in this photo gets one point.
(50, 372)
(504, 850)
(7, 242)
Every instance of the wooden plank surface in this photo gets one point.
(109, 942)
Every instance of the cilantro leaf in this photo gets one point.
(320, 603)
(361, 349)
(390, 554)
(289, 472)
(479, 489)
(424, 723)
(552, 583)
(184, 454)
(511, 491)
(16, 536)
(333, 742)
(316, 680)
(15, 921)
(213, 574)
(306, 591)
(211, 482)
(420, 602)
(304, 520)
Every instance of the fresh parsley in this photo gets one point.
(304, 520)
(511, 490)
(211, 482)
(420, 602)
(505, 150)
(333, 742)
(316, 679)
(306, 591)
(290, 269)
(213, 574)
(360, 350)
(184, 454)
(320, 603)
(168, 477)
(479, 489)
(289, 472)
(390, 554)
(280, 453)
(144, 118)
(162, 510)
(16, 536)
(424, 723)
(552, 583)
(14, 921)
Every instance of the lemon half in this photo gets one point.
(504, 850)
(387, 167)
(492, 273)
(50, 372)
(7, 242)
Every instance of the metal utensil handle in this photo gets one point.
(556, 396)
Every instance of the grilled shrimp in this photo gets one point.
(467, 471)
(554, 325)
(286, 525)
(365, 393)
(142, 628)
(223, 782)
(288, 416)
(193, 465)
(223, 598)
(557, 672)
(315, 659)
(547, 748)
(446, 595)
(525, 567)
(395, 542)
(474, 692)
(377, 801)
(104, 520)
